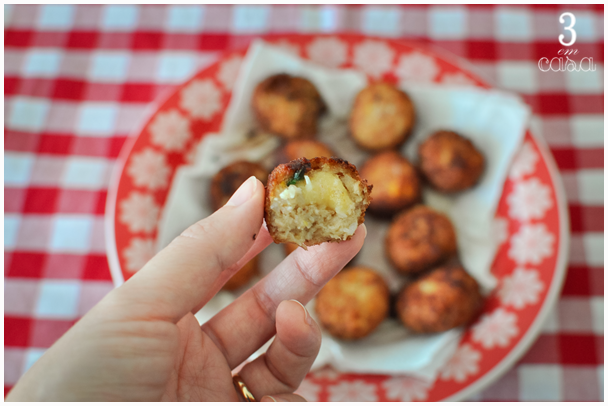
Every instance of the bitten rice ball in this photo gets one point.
(353, 303)
(288, 106)
(229, 179)
(450, 162)
(382, 117)
(243, 276)
(309, 202)
(305, 149)
(396, 183)
(445, 298)
(419, 239)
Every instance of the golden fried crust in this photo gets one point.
(288, 106)
(243, 276)
(395, 180)
(289, 247)
(285, 172)
(450, 162)
(382, 117)
(418, 239)
(229, 179)
(353, 303)
(305, 149)
(445, 298)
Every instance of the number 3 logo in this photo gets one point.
(568, 28)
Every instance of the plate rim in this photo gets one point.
(560, 268)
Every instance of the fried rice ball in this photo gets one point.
(230, 178)
(305, 149)
(382, 117)
(395, 180)
(353, 303)
(445, 298)
(450, 162)
(287, 106)
(419, 239)
(289, 247)
(309, 202)
(243, 276)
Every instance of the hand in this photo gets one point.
(142, 342)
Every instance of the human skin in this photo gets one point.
(142, 342)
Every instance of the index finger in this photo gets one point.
(187, 273)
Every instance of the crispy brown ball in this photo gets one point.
(289, 247)
(309, 202)
(243, 276)
(382, 117)
(450, 162)
(305, 149)
(353, 303)
(288, 106)
(395, 180)
(419, 239)
(445, 298)
(228, 180)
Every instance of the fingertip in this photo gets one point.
(268, 398)
(296, 328)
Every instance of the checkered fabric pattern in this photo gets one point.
(79, 79)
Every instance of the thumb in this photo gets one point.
(182, 277)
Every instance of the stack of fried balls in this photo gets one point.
(314, 197)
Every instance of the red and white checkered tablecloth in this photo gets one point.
(78, 80)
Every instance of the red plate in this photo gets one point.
(529, 266)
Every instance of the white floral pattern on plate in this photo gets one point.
(327, 373)
(501, 228)
(521, 288)
(529, 200)
(531, 244)
(229, 71)
(330, 52)
(464, 363)
(496, 329)
(406, 389)
(418, 67)
(457, 79)
(309, 390)
(149, 169)
(524, 162)
(373, 57)
(353, 391)
(201, 99)
(170, 130)
(138, 253)
(139, 212)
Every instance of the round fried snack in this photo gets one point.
(243, 276)
(288, 106)
(230, 178)
(450, 162)
(445, 298)
(305, 149)
(309, 202)
(382, 117)
(419, 239)
(396, 183)
(353, 303)
(289, 247)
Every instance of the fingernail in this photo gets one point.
(244, 192)
(364, 230)
(307, 317)
(266, 397)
